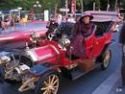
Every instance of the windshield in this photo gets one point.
(24, 27)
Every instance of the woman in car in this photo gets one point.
(82, 29)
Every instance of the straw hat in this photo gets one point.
(86, 14)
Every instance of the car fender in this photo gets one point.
(41, 69)
(106, 46)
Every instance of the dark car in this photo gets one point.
(16, 36)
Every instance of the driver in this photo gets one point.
(51, 26)
(82, 29)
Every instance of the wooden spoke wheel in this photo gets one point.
(49, 85)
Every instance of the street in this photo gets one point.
(86, 84)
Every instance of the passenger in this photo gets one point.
(82, 29)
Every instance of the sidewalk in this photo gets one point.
(110, 85)
(115, 90)
(118, 92)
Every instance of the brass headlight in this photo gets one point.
(4, 59)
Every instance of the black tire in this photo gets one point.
(2, 74)
(43, 83)
(106, 59)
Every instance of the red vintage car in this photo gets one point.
(18, 35)
(40, 68)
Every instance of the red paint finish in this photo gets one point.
(50, 52)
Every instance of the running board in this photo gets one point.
(77, 72)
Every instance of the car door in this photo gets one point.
(101, 37)
(98, 45)
(89, 45)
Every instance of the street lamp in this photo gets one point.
(19, 8)
(37, 2)
(37, 5)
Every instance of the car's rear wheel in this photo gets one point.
(48, 84)
(106, 59)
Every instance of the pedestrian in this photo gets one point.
(59, 18)
(71, 19)
(24, 19)
(122, 41)
(31, 15)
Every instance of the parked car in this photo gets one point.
(40, 68)
(16, 36)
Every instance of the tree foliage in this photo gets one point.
(11, 4)
(27, 4)
(50, 4)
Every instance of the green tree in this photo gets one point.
(123, 4)
(50, 4)
(10, 4)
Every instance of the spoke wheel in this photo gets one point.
(50, 85)
(106, 59)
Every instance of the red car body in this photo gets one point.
(51, 59)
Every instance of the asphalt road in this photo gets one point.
(86, 84)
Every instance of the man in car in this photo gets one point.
(51, 25)
(82, 29)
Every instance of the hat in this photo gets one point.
(85, 14)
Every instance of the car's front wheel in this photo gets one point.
(48, 84)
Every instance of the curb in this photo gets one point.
(109, 84)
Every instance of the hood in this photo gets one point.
(42, 53)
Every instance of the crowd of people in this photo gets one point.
(11, 19)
